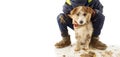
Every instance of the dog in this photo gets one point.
(81, 20)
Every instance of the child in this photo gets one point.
(98, 20)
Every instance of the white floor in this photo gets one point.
(111, 51)
(28, 28)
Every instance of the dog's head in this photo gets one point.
(81, 15)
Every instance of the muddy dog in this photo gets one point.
(81, 20)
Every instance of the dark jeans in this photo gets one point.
(97, 21)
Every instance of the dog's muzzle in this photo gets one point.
(81, 22)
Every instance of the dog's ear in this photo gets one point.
(90, 10)
(70, 16)
(74, 11)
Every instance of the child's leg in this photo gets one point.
(64, 21)
(98, 22)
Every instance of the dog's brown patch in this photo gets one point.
(88, 36)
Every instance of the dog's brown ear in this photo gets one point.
(93, 12)
(74, 11)
(90, 10)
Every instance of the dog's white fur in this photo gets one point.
(81, 19)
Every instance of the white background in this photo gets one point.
(28, 28)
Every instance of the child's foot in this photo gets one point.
(64, 42)
(95, 43)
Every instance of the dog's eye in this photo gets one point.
(84, 14)
(78, 14)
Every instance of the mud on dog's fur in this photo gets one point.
(81, 19)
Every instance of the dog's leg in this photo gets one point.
(77, 47)
(87, 42)
(86, 47)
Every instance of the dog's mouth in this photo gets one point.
(75, 25)
(78, 25)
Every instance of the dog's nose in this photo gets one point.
(81, 22)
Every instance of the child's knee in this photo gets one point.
(61, 18)
(98, 17)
